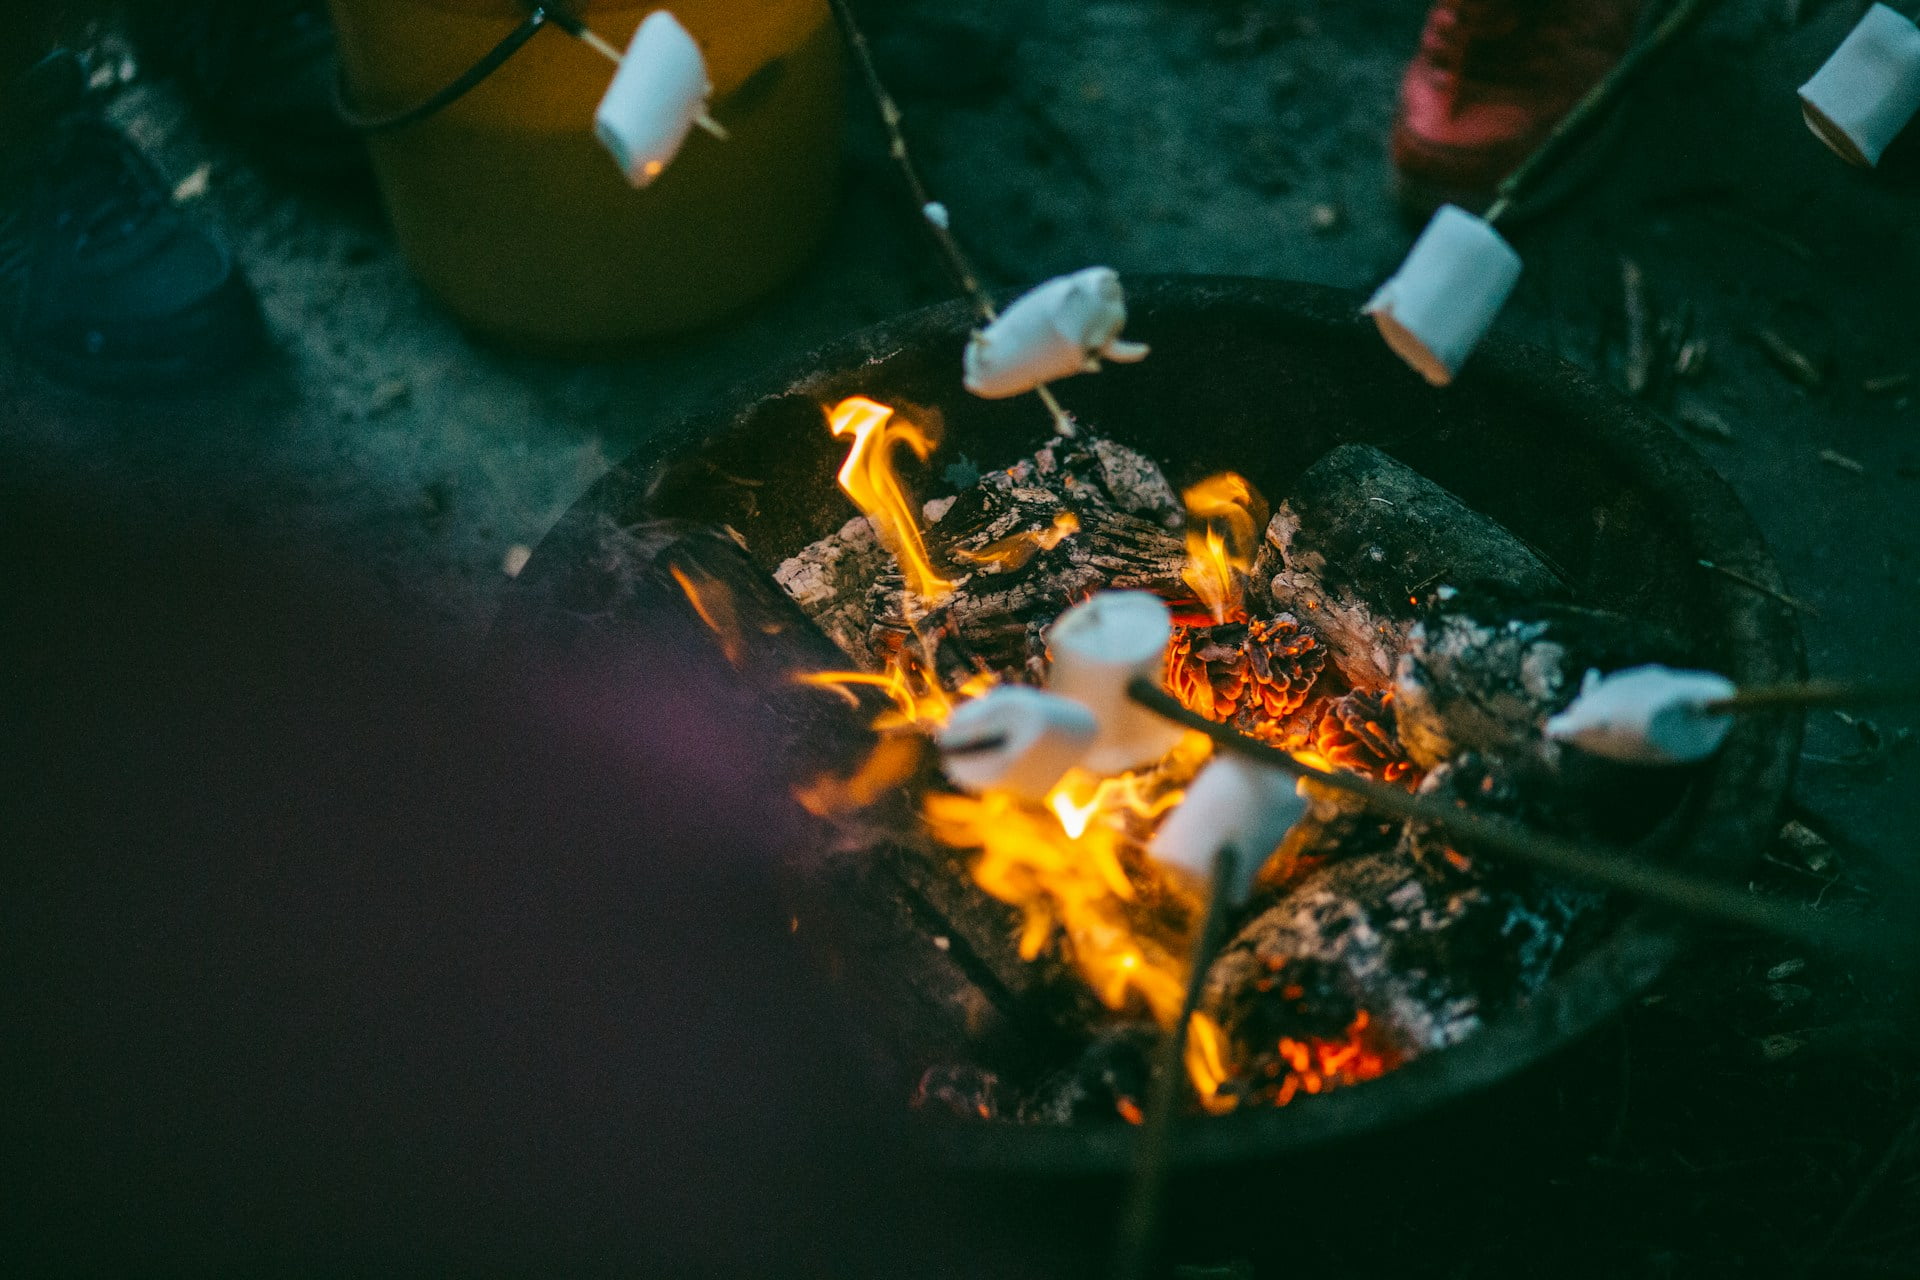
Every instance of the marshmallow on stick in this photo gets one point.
(659, 93)
(1233, 802)
(1868, 90)
(1444, 297)
(1063, 327)
(1013, 738)
(1646, 715)
(1099, 646)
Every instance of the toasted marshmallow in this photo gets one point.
(1438, 306)
(1063, 327)
(659, 93)
(1646, 715)
(1865, 94)
(1039, 737)
(1234, 802)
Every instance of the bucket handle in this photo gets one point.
(538, 16)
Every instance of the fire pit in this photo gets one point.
(1264, 379)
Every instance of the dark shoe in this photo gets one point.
(262, 72)
(120, 289)
(1489, 83)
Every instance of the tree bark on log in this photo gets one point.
(1361, 537)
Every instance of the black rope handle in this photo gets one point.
(538, 16)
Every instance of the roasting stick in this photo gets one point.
(1816, 693)
(1590, 108)
(1139, 1230)
(1607, 869)
(932, 212)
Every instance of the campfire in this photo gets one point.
(1461, 562)
(1060, 836)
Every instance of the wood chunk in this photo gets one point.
(1361, 537)
(1482, 672)
(1426, 959)
(828, 579)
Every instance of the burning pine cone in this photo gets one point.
(1356, 732)
(1248, 672)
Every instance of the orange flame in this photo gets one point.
(1060, 864)
(1207, 1064)
(1226, 517)
(894, 760)
(919, 699)
(1016, 550)
(867, 477)
(711, 599)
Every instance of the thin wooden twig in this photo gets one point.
(607, 49)
(1139, 1232)
(1816, 693)
(976, 747)
(1602, 867)
(1754, 584)
(1588, 110)
(958, 264)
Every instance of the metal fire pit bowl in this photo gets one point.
(1263, 377)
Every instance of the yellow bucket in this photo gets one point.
(511, 213)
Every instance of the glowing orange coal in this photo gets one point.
(868, 478)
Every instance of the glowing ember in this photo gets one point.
(1315, 1065)
(867, 477)
(1226, 517)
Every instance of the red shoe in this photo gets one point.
(1491, 80)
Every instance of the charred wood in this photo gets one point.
(1361, 537)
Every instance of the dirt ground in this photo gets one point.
(1756, 1105)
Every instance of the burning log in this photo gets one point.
(1370, 961)
(1481, 672)
(1361, 535)
(1019, 547)
(662, 568)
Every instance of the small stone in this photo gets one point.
(194, 185)
(1327, 218)
(1808, 845)
(1777, 1048)
(516, 559)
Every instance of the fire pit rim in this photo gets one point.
(1733, 808)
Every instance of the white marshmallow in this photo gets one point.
(1063, 327)
(1440, 303)
(1099, 646)
(1867, 91)
(1045, 736)
(659, 93)
(1646, 715)
(1233, 802)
